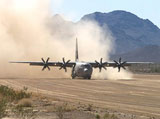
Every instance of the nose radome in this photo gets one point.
(85, 70)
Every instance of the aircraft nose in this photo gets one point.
(85, 70)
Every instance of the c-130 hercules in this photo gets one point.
(82, 69)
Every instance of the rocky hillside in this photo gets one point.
(150, 53)
(130, 31)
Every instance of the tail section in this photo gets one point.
(76, 53)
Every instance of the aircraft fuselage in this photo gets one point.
(82, 69)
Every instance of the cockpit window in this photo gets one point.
(86, 66)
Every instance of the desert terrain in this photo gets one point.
(138, 96)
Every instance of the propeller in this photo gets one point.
(64, 65)
(45, 64)
(101, 64)
(120, 64)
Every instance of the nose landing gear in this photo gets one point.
(73, 76)
(88, 77)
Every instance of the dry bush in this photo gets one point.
(25, 102)
(3, 108)
(98, 116)
(23, 112)
(8, 93)
(11, 95)
(89, 107)
(61, 109)
(110, 116)
(23, 94)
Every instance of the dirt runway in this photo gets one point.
(140, 95)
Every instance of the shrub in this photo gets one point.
(12, 95)
(106, 116)
(61, 109)
(90, 107)
(113, 116)
(25, 102)
(23, 94)
(98, 116)
(8, 93)
(3, 107)
(110, 116)
(23, 112)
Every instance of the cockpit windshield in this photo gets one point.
(86, 66)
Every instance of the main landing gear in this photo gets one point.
(73, 76)
(88, 77)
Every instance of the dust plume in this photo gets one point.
(29, 31)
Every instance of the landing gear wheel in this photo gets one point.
(73, 76)
(89, 77)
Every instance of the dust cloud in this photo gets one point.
(29, 31)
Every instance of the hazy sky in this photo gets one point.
(75, 9)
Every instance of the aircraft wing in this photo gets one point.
(112, 64)
(116, 64)
(47, 64)
(55, 64)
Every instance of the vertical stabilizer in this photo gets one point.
(76, 55)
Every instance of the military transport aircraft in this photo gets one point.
(82, 69)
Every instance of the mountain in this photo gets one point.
(130, 31)
(149, 53)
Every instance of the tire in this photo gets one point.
(89, 77)
(73, 76)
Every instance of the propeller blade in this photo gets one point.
(47, 60)
(43, 68)
(68, 61)
(123, 67)
(100, 64)
(60, 68)
(119, 69)
(97, 62)
(64, 64)
(120, 59)
(116, 62)
(63, 60)
(48, 68)
(65, 69)
(120, 64)
(43, 60)
(45, 64)
(100, 69)
(101, 60)
(124, 63)
(104, 68)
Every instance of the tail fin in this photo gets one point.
(76, 53)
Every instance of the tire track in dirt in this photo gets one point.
(86, 92)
